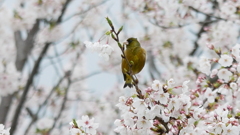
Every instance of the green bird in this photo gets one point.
(136, 56)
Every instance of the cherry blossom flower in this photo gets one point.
(122, 130)
(4, 131)
(153, 112)
(106, 51)
(205, 65)
(223, 90)
(233, 85)
(122, 103)
(170, 82)
(157, 86)
(185, 86)
(225, 60)
(139, 104)
(230, 130)
(224, 74)
(143, 123)
(174, 104)
(236, 51)
(210, 95)
(161, 97)
(214, 73)
(219, 127)
(76, 131)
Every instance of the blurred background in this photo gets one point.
(48, 76)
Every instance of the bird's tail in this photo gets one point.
(128, 81)
(128, 84)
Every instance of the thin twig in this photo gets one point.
(85, 11)
(64, 8)
(35, 116)
(210, 15)
(163, 123)
(63, 105)
(87, 76)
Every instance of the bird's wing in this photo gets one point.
(123, 70)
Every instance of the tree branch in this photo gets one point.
(63, 104)
(25, 47)
(35, 116)
(85, 11)
(206, 23)
(208, 15)
(4, 107)
(64, 8)
(33, 73)
(26, 89)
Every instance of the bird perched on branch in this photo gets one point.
(133, 62)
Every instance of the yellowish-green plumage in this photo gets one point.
(136, 55)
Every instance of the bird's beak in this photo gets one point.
(125, 43)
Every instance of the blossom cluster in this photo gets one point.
(212, 107)
(85, 126)
(104, 50)
(4, 131)
(228, 70)
(161, 105)
(175, 110)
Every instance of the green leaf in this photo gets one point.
(109, 21)
(113, 36)
(119, 44)
(120, 29)
(108, 33)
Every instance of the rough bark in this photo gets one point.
(4, 107)
(24, 47)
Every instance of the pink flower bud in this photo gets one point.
(129, 101)
(234, 65)
(182, 112)
(214, 59)
(206, 28)
(156, 122)
(198, 81)
(210, 46)
(233, 69)
(229, 107)
(220, 81)
(192, 96)
(149, 90)
(214, 73)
